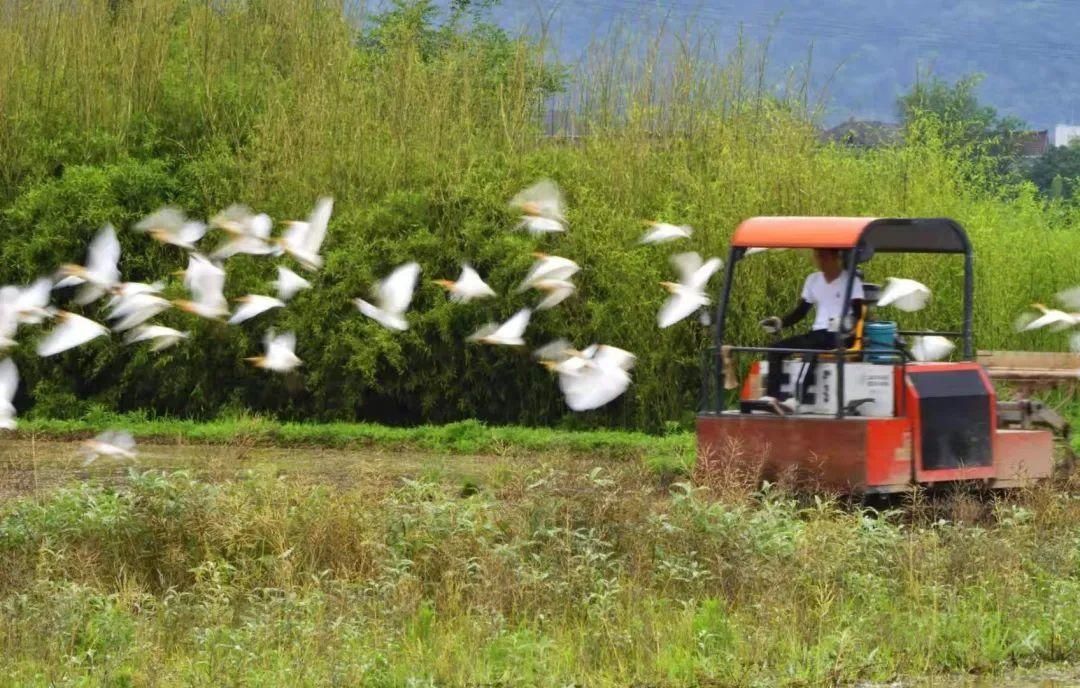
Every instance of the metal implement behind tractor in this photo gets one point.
(868, 424)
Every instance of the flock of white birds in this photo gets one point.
(588, 378)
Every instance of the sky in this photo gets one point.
(865, 52)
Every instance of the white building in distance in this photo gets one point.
(1063, 133)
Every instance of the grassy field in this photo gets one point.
(367, 563)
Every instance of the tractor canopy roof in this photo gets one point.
(896, 235)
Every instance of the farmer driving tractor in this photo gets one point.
(824, 292)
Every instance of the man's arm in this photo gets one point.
(774, 324)
(798, 313)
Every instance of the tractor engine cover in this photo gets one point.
(953, 408)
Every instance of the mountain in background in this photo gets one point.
(865, 52)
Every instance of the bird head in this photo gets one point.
(257, 361)
(1040, 307)
(539, 254)
(444, 283)
(671, 287)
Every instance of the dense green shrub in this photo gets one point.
(422, 132)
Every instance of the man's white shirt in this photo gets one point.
(828, 298)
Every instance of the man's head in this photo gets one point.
(827, 260)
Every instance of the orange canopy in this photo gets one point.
(800, 232)
(918, 235)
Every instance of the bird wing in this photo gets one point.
(253, 305)
(515, 326)
(205, 281)
(555, 350)
(9, 320)
(541, 225)
(74, 330)
(1074, 342)
(317, 224)
(145, 332)
(289, 283)
(686, 264)
(396, 291)
(294, 235)
(250, 245)
(104, 254)
(612, 356)
(558, 291)
(485, 330)
(905, 294)
(470, 280)
(9, 380)
(595, 387)
(260, 226)
(931, 348)
(701, 276)
(1024, 320)
(549, 267)
(678, 306)
(285, 341)
(151, 306)
(663, 231)
(1054, 319)
(544, 196)
(168, 218)
(34, 296)
(1070, 298)
(190, 232)
(122, 440)
(69, 281)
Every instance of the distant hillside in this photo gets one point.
(1026, 48)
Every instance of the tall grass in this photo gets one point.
(421, 132)
(673, 451)
(542, 578)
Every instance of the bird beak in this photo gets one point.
(670, 286)
(445, 284)
(538, 254)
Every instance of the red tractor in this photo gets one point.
(864, 423)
